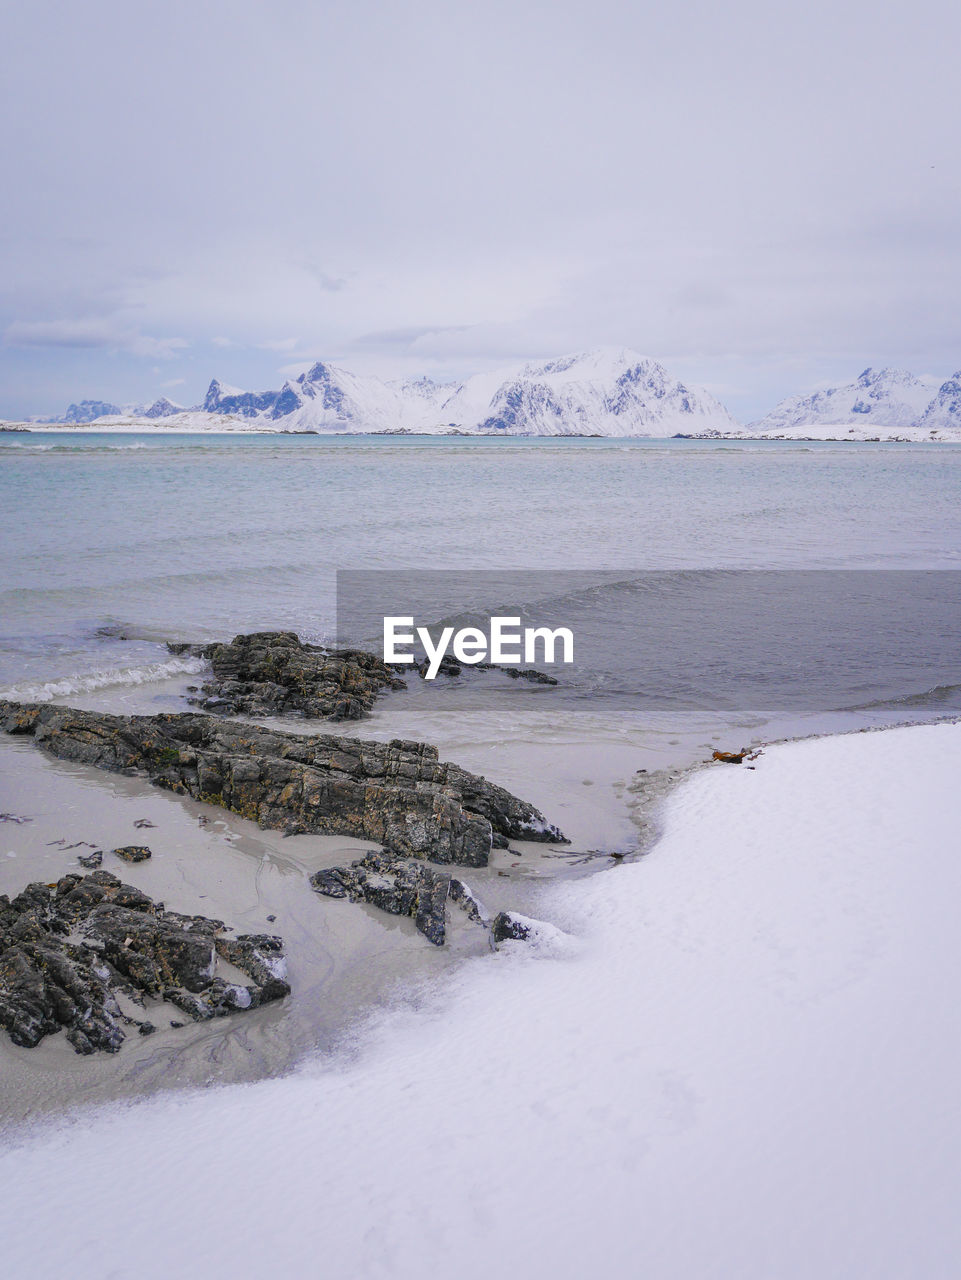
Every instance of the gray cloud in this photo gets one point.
(90, 334)
(762, 196)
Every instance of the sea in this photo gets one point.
(725, 593)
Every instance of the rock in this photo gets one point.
(271, 673)
(465, 899)
(508, 927)
(449, 666)
(67, 950)
(133, 853)
(535, 677)
(398, 793)
(144, 822)
(91, 860)
(400, 887)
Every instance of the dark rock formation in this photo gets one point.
(68, 950)
(92, 860)
(449, 666)
(508, 927)
(398, 794)
(133, 853)
(401, 888)
(271, 673)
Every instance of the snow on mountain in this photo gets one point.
(221, 398)
(327, 398)
(608, 391)
(605, 392)
(162, 408)
(879, 398)
(944, 411)
(90, 410)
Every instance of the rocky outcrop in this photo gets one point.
(401, 888)
(397, 794)
(509, 927)
(68, 951)
(269, 673)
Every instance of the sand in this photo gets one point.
(343, 959)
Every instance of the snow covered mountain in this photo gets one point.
(90, 410)
(944, 411)
(221, 398)
(162, 408)
(604, 392)
(609, 392)
(879, 398)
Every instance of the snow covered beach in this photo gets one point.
(741, 1060)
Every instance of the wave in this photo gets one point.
(939, 695)
(110, 678)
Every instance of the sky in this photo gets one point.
(765, 198)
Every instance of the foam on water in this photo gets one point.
(110, 678)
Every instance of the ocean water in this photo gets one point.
(113, 544)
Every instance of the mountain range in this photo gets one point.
(610, 392)
(90, 410)
(604, 392)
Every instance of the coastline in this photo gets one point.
(600, 783)
(721, 1065)
(801, 435)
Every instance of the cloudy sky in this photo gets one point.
(765, 197)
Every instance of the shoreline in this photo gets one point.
(722, 1056)
(346, 962)
(893, 435)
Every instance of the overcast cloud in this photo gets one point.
(763, 198)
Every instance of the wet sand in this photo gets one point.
(343, 958)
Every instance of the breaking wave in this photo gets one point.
(110, 678)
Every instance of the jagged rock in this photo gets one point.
(401, 888)
(271, 673)
(68, 949)
(133, 853)
(91, 860)
(398, 793)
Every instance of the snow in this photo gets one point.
(746, 1067)
(853, 432)
(944, 411)
(607, 391)
(879, 398)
